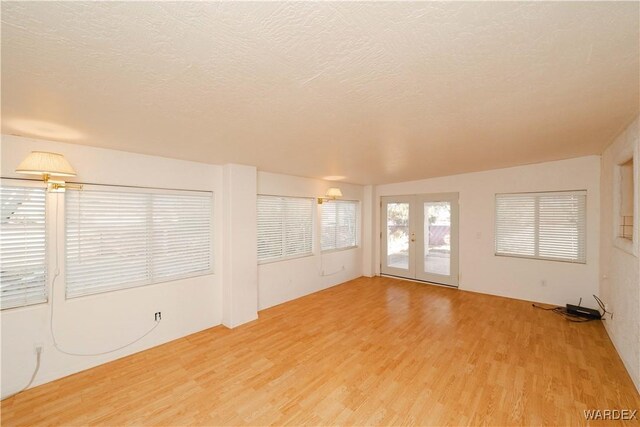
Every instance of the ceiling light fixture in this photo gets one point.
(42, 129)
(48, 165)
(334, 178)
(332, 194)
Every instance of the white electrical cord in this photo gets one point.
(322, 273)
(53, 335)
(33, 376)
(53, 282)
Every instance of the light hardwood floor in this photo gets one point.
(368, 352)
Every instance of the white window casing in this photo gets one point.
(285, 227)
(548, 226)
(117, 239)
(23, 246)
(339, 225)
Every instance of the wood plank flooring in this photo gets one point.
(368, 352)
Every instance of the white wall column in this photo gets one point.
(368, 232)
(240, 259)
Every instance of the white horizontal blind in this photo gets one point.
(107, 237)
(181, 235)
(562, 227)
(339, 224)
(270, 228)
(516, 224)
(23, 262)
(549, 226)
(121, 239)
(285, 227)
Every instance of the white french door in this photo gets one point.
(419, 238)
(398, 231)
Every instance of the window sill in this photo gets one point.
(25, 306)
(130, 287)
(535, 258)
(290, 258)
(330, 251)
(626, 245)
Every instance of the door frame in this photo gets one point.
(454, 262)
(384, 269)
(416, 243)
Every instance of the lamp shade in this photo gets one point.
(334, 192)
(43, 163)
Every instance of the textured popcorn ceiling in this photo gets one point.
(374, 92)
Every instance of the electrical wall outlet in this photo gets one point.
(158, 316)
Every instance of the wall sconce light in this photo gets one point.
(332, 194)
(48, 165)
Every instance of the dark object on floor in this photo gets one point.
(587, 313)
(577, 313)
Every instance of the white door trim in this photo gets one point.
(452, 278)
(384, 267)
(415, 270)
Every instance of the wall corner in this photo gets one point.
(239, 237)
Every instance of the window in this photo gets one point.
(120, 239)
(23, 255)
(284, 227)
(549, 226)
(339, 224)
(626, 200)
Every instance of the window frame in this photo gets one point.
(630, 246)
(356, 203)
(312, 233)
(536, 226)
(28, 183)
(151, 279)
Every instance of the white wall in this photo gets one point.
(283, 281)
(368, 230)
(105, 321)
(480, 270)
(619, 264)
(240, 289)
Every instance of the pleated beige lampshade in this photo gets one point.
(40, 162)
(334, 192)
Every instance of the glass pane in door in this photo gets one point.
(437, 238)
(398, 235)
